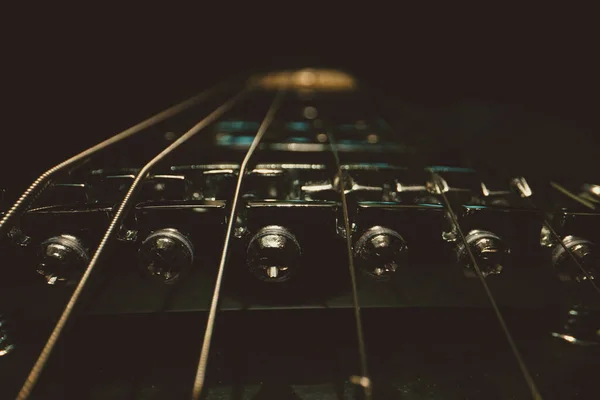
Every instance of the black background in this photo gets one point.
(72, 81)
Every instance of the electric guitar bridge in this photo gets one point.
(292, 227)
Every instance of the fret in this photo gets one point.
(44, 180)
(206, 343)
(111, 231)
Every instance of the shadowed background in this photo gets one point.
(524, 99)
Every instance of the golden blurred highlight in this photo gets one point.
(309, 79)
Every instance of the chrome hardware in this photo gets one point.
(591, 192)
(18, 237)
(420, 194)
(490, 251)
(351, 187)
(379, 252)
(522, 187)
(6, 345)
(427, 199)
(546, 238)
(583, 250)
(273, 254)
(63, 259)
(166, 254)
(127, 235)
(240, 228)
(437, 185)
(493, 196)
(579, 327)
(450, 236)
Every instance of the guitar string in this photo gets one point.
(42, 182)
(572, 256)
(524, 370)
(167, 114)
(206, 343)
(528, 378)
(364, 380)
(548, 225)
(557, 237)
(116, 221)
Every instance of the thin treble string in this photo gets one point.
(364, 379)
(206, 343)
(524, 370)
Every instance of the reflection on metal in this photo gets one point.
(442, 168)
(18, 237)
(437, 186)
(579, 326)
(400, 188)
(292, 166)
(379, 252)
(166, 254)
(526, 192)
(591, 193)
(205, 167)
(438, 182)
(352, 187)
(6, 344)
(372, 167)
(571, 339)
(583, 251)
(363, 379)
(520, 183)
(491, 253)
(273, 254)
(210, 323)
(63, 259)
(169, 177)
(127, 235)
(315, 188)
(267, 172)
(487, 192)
(546, 238)
(484, 189)
(348, 146)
